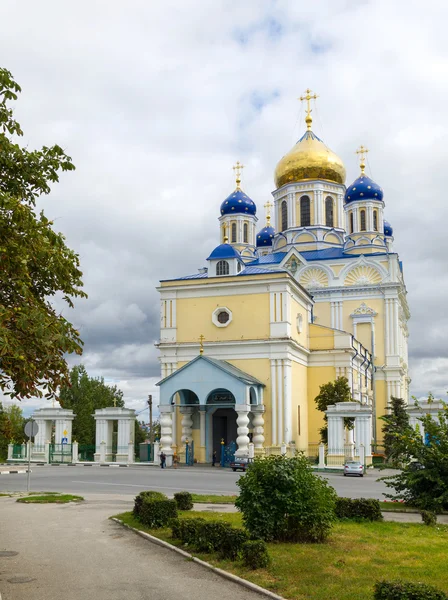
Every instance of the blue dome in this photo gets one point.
(238, 202)
(224, 251)
(388, 230)
(265, 236)
(363, 188)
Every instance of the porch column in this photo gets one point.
(187, 423)
(335, 434)
(166, 429)
(202, 440)
(258, 423)
(242, 421)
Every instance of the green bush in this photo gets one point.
(282, 499)
(255, 554)
(184, 500)
(138, 501)
(187, 530)
(403, 590)
(211, 535)
(232, 543)
(176, 528)
(429, 518)
(358, 508)
(157, 513)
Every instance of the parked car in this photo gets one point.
(240, 464)
(353, 467)
(414, 465)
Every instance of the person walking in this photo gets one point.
(214, 458)
(162, 460)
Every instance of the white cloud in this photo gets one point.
(155, 101)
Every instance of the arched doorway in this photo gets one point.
(222, 421)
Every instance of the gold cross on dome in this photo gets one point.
(309, 96)
(237, 168)
(201, 348)
(362, 151)
(268, 207)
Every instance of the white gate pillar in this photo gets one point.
(187, 423)
(258, 424)
(242, 421)
(166, 430)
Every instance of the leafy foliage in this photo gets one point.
(404, 590)
(429, 518)
(184, 500)
(358, 509)
(330, 393)
(157, 513)
(187, 530)
(423, 482)
(35, 265)
(281, 499)
(232, 543)
(12, 425)
(146, 495)
(395, 422)
(84, 395)
(210, 536)
(255, 554)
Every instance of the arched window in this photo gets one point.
(245, 233)
(222, 268)
(233, 233)
(284, 215)
(329, 212)
(375, 220)
(362, 215)
(352, 226)
(305, 211)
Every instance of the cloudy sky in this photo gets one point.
(155, 100)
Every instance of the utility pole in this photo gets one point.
(151, 432)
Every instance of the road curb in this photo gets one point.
(12, 473)
(224, 574)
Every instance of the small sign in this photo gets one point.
(31, 429)
(64, 433)
(64, 440)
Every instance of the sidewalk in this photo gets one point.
(74, 551)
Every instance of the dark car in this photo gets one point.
(240, 464)
(415, 466)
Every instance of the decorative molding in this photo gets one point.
(363, 275)
(363, 310)
(313, 278)
(217, 312)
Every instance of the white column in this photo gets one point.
(10, 451)
(258, 423)
(321, 464)
(59, 431)
(41, 436)
(287, 391)
(292, 210)
(187, 424)
(102, 452)
(47, 452)
(340, 202)
(75, 452)
(242, 421)
(274, 401)
(166, 429)
(130, 453)
(123, 436)
(280, 428)
(202, 414)
(156, 452)
(335, 434)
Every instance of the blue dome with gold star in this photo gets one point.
(238, 203)
(363, 188)
(388, 229)
(265, 236)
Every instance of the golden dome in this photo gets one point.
(309, 159)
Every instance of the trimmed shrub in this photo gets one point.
(255, 554)
(232, 543)
(404, 590)
(157, 513)
(188, 530)
(282, 499)
(176, 528)
(211, 536)
(429, 518)
(138, 501)
(366, 509)
(184, 500)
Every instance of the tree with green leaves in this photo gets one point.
(84, 395)
(35, 264)
(12, 423)
(423, 482)
(395, 422)
(330, 393)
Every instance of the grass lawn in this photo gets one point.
(211, 499)
(52, 498)
(346, 567)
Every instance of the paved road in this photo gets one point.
(129, 481)
(74, 552)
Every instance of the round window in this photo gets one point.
(223, 316)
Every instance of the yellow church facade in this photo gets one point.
(281, 311)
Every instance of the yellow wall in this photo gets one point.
(321, 338)
(296, 308)
(322, 311)
(299, 399)
(378, 306)
(316, 377)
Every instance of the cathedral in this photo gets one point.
(281, 309)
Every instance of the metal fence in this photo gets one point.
(19, 451)
(86, 452)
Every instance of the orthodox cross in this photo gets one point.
(201, 348)
(268, 207)
(237, 168)
(309, 96)
(362, 151)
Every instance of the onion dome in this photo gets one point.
(309, 159)
(265, 236)
(363, 188)
(238, 202)
(224, 251)
(388, 230)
